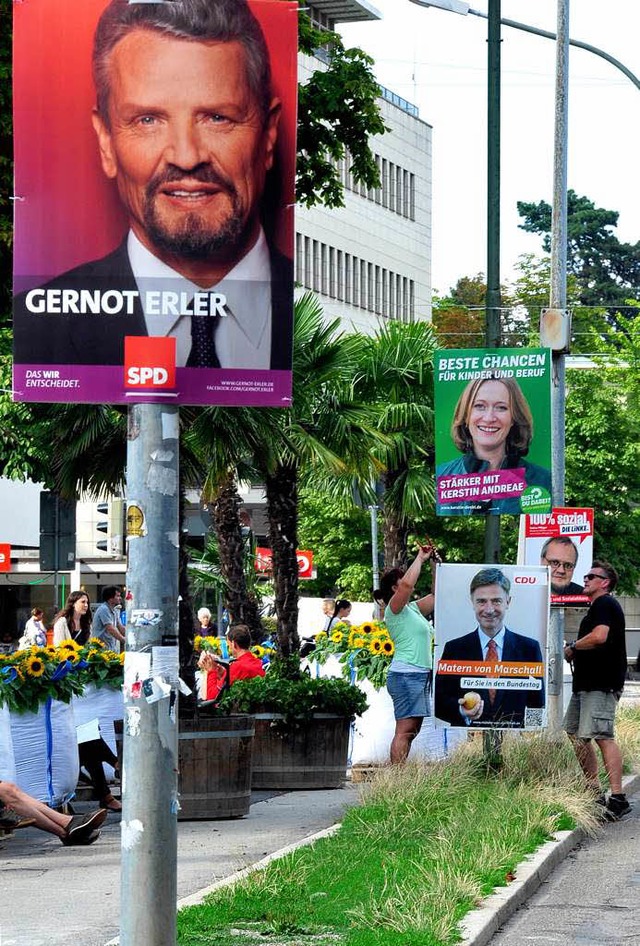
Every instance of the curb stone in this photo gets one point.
(196, 898)
(481, 924)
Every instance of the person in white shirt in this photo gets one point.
(106, 620)
(35, 633)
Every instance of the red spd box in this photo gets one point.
(149, 362)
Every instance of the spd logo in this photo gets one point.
(5, 557)
(149, 362)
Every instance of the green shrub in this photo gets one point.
(297, 700)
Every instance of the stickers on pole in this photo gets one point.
(136, 527)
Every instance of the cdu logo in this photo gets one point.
(149, 362)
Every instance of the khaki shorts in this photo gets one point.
(591, 714)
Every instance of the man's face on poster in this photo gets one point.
(187, 145)
(562, 560)
(490, 604)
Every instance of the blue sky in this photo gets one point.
(437, 60)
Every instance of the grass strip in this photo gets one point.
(427, 842)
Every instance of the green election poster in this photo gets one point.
(493, 431)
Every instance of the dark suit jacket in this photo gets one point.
(98, 339)
(509, 705)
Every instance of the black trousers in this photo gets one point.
(92, 755)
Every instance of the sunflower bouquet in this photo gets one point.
(31, 676)
(364, 650)
(210, 645)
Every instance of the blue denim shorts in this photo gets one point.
(410, 693)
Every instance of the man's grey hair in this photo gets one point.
(199, 21)
(490, 576)
(561, 540)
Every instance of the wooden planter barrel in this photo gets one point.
(214, 766)
(311, 756)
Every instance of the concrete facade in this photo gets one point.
(371, 259)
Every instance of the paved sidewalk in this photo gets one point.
(591, 899)
(573, 891)
(59, 896)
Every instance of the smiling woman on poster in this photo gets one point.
(492, 428)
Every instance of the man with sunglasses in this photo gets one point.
(598, 660)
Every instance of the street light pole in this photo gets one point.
(558, 302)
(150, 771)
(492, 324)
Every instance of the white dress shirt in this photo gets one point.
(498, 639)
(243, 337)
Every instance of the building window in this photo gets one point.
(340, 273)
(316, 266)
(356, 280)
(299, 259)
(323, 269)
(307, 263)
(347, 278)
(399, 202)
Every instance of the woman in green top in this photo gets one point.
(409, 676)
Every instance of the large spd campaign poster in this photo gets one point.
(493, 431)
(154, 180)
(491, 626)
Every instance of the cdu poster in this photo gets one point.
(491, 640)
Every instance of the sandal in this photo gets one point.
(110, 803)
(10, 820)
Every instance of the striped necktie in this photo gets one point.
(492, 657)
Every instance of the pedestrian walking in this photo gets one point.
(598, 661)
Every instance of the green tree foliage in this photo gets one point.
(603, 461)
(607, 272)
(339, 534)
(459, 319)
(337, 112)
(395, 377)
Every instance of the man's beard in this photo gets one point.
(193, 239)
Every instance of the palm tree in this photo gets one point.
(395, 378)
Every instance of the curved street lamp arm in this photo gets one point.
(573, 42)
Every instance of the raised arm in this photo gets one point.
(406, 585)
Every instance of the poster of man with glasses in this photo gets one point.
(563, 541)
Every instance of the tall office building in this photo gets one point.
(371, 259)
